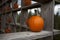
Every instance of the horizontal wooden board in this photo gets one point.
(27, 35)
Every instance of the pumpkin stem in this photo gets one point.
(37, 12)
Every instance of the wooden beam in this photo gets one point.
(36, 5)
(27, 35)
(48, 14)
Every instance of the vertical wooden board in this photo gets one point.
(15, 17)
(3, 23)
(48, 15)
(14, 14)
(24, 14)
(23, 17)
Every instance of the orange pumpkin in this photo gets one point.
(36, 23)
(8, 30)
(15, 6)
(27, 2)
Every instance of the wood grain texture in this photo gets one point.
(25, 35)
(43, 35)
(48, 14)
(24, 16)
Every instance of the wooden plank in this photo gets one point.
(18, 24)
(25, 7)
(36, 5)
(56, 32)
(48, 14)
(27, 35)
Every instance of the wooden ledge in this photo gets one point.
(27, 35)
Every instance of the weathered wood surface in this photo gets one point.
(44, 35)
(47, 12)
(25, 35)
(23, 15)
(56, 32)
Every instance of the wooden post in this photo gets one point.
(14, 14)
(24, 14)
(48, 15)
(23, 17)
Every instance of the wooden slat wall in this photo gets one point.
(47, 13)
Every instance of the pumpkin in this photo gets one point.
(15, 6)
(27, 2)
(36, 23)
(8, 30)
